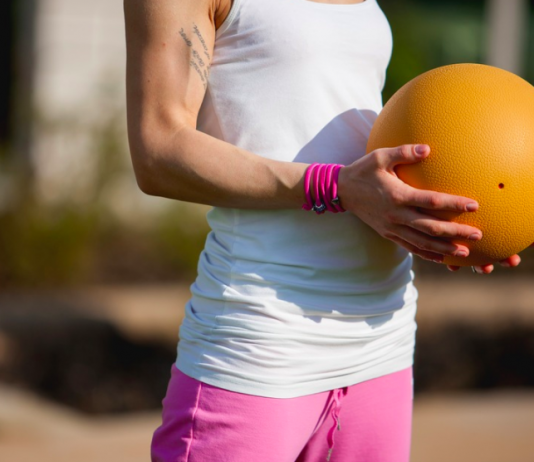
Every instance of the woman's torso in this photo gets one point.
(294, 80)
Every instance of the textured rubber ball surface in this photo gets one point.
(479, 123)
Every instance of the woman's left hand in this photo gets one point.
(509, 262)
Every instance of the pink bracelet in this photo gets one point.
(318, 180)
(324, 188)
(335, 198)
(307, 189)
(328, 191)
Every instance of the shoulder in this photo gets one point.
(163, 15)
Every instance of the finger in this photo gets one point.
(432, 200)
(429, 256)
(389, 158)
(511, 262)
(437, 227)
(426, 243)
(453, 268)
(484, 269)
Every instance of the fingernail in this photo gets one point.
(475, 237)
(506, 264)
(461, 253)
(472, 207)
(420, 149)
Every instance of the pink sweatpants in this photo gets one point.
(366, 422)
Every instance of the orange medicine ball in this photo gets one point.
(479, 123)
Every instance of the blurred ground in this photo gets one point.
(496, 427)
(32, 429)
(488, 426)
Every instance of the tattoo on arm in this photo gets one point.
(199, 35)
(197, 57)
(184, 36)
(197, 62)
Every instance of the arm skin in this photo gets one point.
(164, 93)
(174, 160)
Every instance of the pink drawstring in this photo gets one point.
(337, 396)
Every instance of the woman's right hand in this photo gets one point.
(370, 189)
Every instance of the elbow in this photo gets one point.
(144, 153)
(144, 184)
(144, 168)
(146, 178)
(153, 149)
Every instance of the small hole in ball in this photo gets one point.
(501, 185)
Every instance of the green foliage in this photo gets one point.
(41, 248)
(179, 234)
(429, 35)
(74, 242)
(530, 49)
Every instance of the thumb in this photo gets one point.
(405, 154)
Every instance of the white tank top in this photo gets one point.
(287, 302)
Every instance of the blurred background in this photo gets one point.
(94, 274)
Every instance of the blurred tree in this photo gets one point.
(75, 243)
(430, 34)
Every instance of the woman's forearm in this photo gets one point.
(192, 166)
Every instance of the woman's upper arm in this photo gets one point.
(169, 44)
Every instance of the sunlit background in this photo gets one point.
(94, 274)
